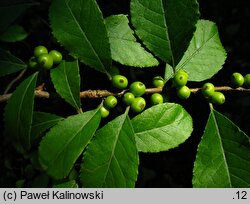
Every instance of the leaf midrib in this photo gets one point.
(113, 152)
(46, 122)
(168, 37)
(196, 52)
(167, 111)
(20, 108)
(73, 137)
(83, 33)
(20, 64)
(68, 86)
(221, 146)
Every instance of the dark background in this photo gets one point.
(172, 168)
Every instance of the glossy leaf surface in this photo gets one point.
(223, 157)
(124, 47)
(162, 127)
(64, 143)
(79, 27)
(111, 159)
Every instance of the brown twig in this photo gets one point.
(39, 93)
(5, 97)
(222, 88)
(14, 81)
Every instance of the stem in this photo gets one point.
(222, 88)
(211, 106)
(104, 93)
(14, 81)
(79, 110)
(127, 109)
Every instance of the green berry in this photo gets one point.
(137, 88)
(57, 56)
(218, 98)
(237, 79)
(156, 98)
(247, 81)
(45, 60)
(104, 112)
(183, 92)
(40, 50)
(207, 89)
(119, 81)
(138, 105)
(128, 98)
(110, 102)
(181, 71)
(33, 63)
(158, 82)
(180, 79)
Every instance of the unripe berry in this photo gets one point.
(128, 98)
(104, 112)
(158, 82)
(180, 79)
(33, 63)
(138, 105)
(183, 92)
(45, 60)
(40, 50)
(207, 89)
(237, 79)
(110, 102)
(247, 81)
(218, 98)
(156, 98)
(119, 81)
(137, 88)
(57, 56)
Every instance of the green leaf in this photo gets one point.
(124, 48)
(42, 122)
(68, 184)
(80, 28)
(205, 55)
(169, 72)
(223, 158)
(40, 181)
(162, 127)
(66, 80)
(165, 27)
(14, 33)
(64, 143)
(9, 63)
(10, 10)
(111, 159)
(20, 183)
(19, 113)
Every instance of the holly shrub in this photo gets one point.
(62, 128)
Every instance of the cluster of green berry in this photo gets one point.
(133, 97)
(109, 103)
(218, 98)
(180, 80)
(238, 80)
(44, 59)
(213, 96)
